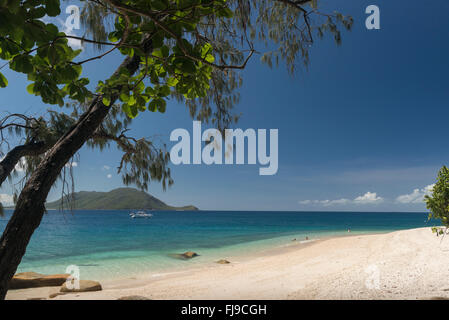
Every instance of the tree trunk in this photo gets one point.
(30, 205)
(13, 157)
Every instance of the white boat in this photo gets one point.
(140, 214)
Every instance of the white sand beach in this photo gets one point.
(409, 264)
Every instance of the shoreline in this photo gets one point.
(207, 257)
(406, 264)
(237, 257)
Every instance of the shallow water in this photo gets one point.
(109, 244)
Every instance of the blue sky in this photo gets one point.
(363, 128)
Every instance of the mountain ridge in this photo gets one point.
(117, 199)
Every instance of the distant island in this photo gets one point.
(117, 199)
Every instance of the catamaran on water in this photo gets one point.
(140, 214)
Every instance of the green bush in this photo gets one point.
(438, 201)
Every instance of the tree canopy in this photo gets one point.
(197, 50)
(190, 40)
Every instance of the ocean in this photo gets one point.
(109, 244)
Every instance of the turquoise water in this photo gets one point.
(109, 244)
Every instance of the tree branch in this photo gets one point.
(13, 157)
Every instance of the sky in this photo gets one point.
(362, 128)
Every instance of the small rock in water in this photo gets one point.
(190, 254)
(184, 256)
(223, 261)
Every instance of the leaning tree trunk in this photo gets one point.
(30, 205)
(13, 157)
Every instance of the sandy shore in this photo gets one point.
(409, 264)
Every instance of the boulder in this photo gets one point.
(190, 254)
(223, 261)
(27, 280)
(184, 256)
(84, 286)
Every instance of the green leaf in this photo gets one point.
(157, 104)
(106, 101)
(171, 82)
(132, 100)
(52, 7)
(162, 106)
(124, 97)
(206, 49)
(3, 81)
(164, 91)
(37, 13)
(22, 63)
(210, 58)
(165, 51)
(130, 111)
(52, 55)
(159, 5)
(30, 88)
(152, 106)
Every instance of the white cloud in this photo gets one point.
(105, 167)
(6, 199)
(417, 196)
(367, 198)
(109, 176)
(74, 43)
